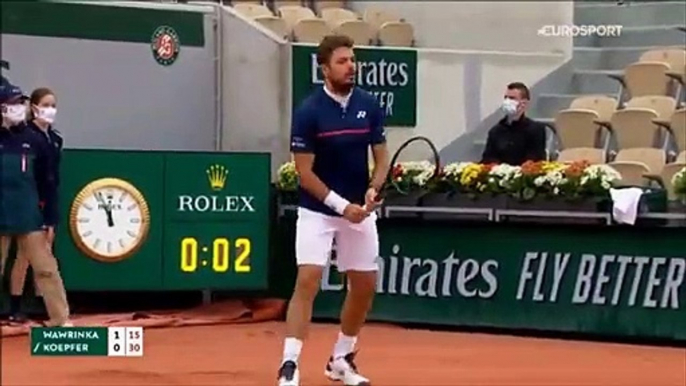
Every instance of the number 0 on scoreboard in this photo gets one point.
(125, 341)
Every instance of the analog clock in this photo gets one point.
(109, 220)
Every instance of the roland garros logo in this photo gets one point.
(165, 45)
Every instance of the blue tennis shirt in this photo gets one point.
(339, 137)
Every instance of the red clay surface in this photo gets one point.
(248, 354)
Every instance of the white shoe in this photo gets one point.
(68, 324)
(289, 375)
(343, 369)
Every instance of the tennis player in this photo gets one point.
(332, 132)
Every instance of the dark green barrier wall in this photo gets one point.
(209, 221)
(610, 281)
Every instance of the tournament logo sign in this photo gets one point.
(165, 45)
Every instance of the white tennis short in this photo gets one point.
(357, 245)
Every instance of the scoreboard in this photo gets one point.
(150, 220)
(87, 341)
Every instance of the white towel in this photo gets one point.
(625, 204)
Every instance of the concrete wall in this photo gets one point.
(482, 25)
(255, 89)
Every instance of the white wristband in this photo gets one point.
(336, 202)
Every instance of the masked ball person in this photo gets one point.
(26, 181)
(42, 111)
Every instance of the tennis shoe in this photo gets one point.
(289, 375)
(343, 369)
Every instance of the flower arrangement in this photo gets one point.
(552, 179)
(679, 183)
(571, 181)
(473, 178)
(412, 176)
(287, 179)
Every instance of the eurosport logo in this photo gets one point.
(580, 30)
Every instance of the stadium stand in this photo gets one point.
(276, 4)
(252, 11)
(642, 131)
(358, 30)
(318, 5)
(591, 154)
(396, 34)
(577, 128)
(676, 127)
(627, 93)
(292, 14)
(308, 22)
(377, 18)
(310, 30)
(635, 163)
(335, 16)
(276, 25)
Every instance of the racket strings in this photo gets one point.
(395, 166)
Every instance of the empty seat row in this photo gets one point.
(647, 121)
(295, 22)
(316, 5)
(657, 72)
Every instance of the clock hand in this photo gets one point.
(110, 221)
(107, 208)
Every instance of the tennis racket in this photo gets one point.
(390, 181)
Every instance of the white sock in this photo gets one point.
(291, 349)
(344, 345)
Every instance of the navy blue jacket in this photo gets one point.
(26, 181)
(52, 139)
(340, 139)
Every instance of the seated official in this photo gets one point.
(516, 138)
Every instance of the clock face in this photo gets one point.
(109, 221)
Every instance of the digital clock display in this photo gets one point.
(217, 223)
(224, 257)
(213, 255)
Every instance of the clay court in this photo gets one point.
(247, 354)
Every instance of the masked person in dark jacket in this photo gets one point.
(25, 182)
(42, 111)
(516, 138)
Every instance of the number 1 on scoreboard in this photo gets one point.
(116, 341)
(134, 341)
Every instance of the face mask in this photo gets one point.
(509, 107)
(47, 114)
(15, 114)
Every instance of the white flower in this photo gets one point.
(504, 174)
(603, 174)
(421, 171)
(602, 171)
(456, 168)
(504, 171)
(288, 167)
(679, 177)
